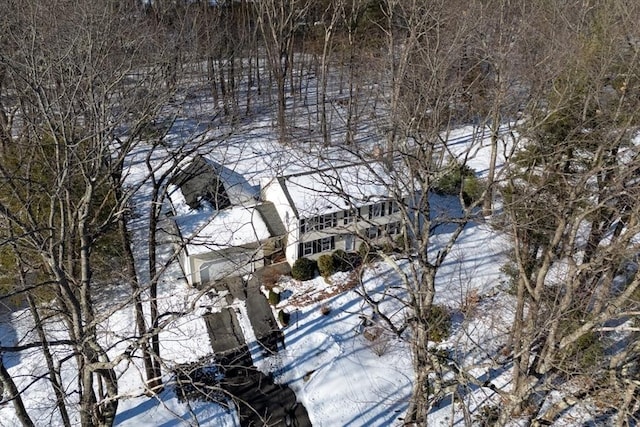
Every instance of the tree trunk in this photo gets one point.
(87, 395)
(5, 128)
(223, 88)
(153, 281)
(54, 374)
(211, 68)
(153, 382)
(487, 205)
(10, 392)
(282, 104)
(422, 388)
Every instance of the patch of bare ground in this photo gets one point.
(315, 296)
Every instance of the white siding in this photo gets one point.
(274, 193)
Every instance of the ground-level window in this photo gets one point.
(393, 228)
(307, 248)
(325, 244)
(349, 242)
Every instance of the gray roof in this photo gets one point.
(203, 179)
(272, 219)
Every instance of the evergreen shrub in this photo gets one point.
(274, 297)
(326, 266)
(303, 269)
(439, 323)
(284, 317)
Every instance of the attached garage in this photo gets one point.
(231, 262)
(220, 222)
(230, 245)
(219, 244)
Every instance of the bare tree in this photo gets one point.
(79, 83)
(423, 103)
(278, 22)
(495, 74)
(577, 173)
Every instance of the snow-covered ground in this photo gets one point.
(341, 377)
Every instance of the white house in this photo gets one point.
(229, 227)
(333, 209)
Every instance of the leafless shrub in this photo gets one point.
(325, 309)
(471, 301)
(379, 341)
(270, 278)
(372, 333)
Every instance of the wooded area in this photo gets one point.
(86, 85)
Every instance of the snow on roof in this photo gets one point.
(238, 189)
(209, 230)
(337, 189)
(315, 187)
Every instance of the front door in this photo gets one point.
(349, 243)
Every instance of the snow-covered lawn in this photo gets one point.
(341, 377)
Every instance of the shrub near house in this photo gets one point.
(326, 265)
(460, 179)
(343, 261)
(303, 269)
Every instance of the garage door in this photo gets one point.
(230, 265)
